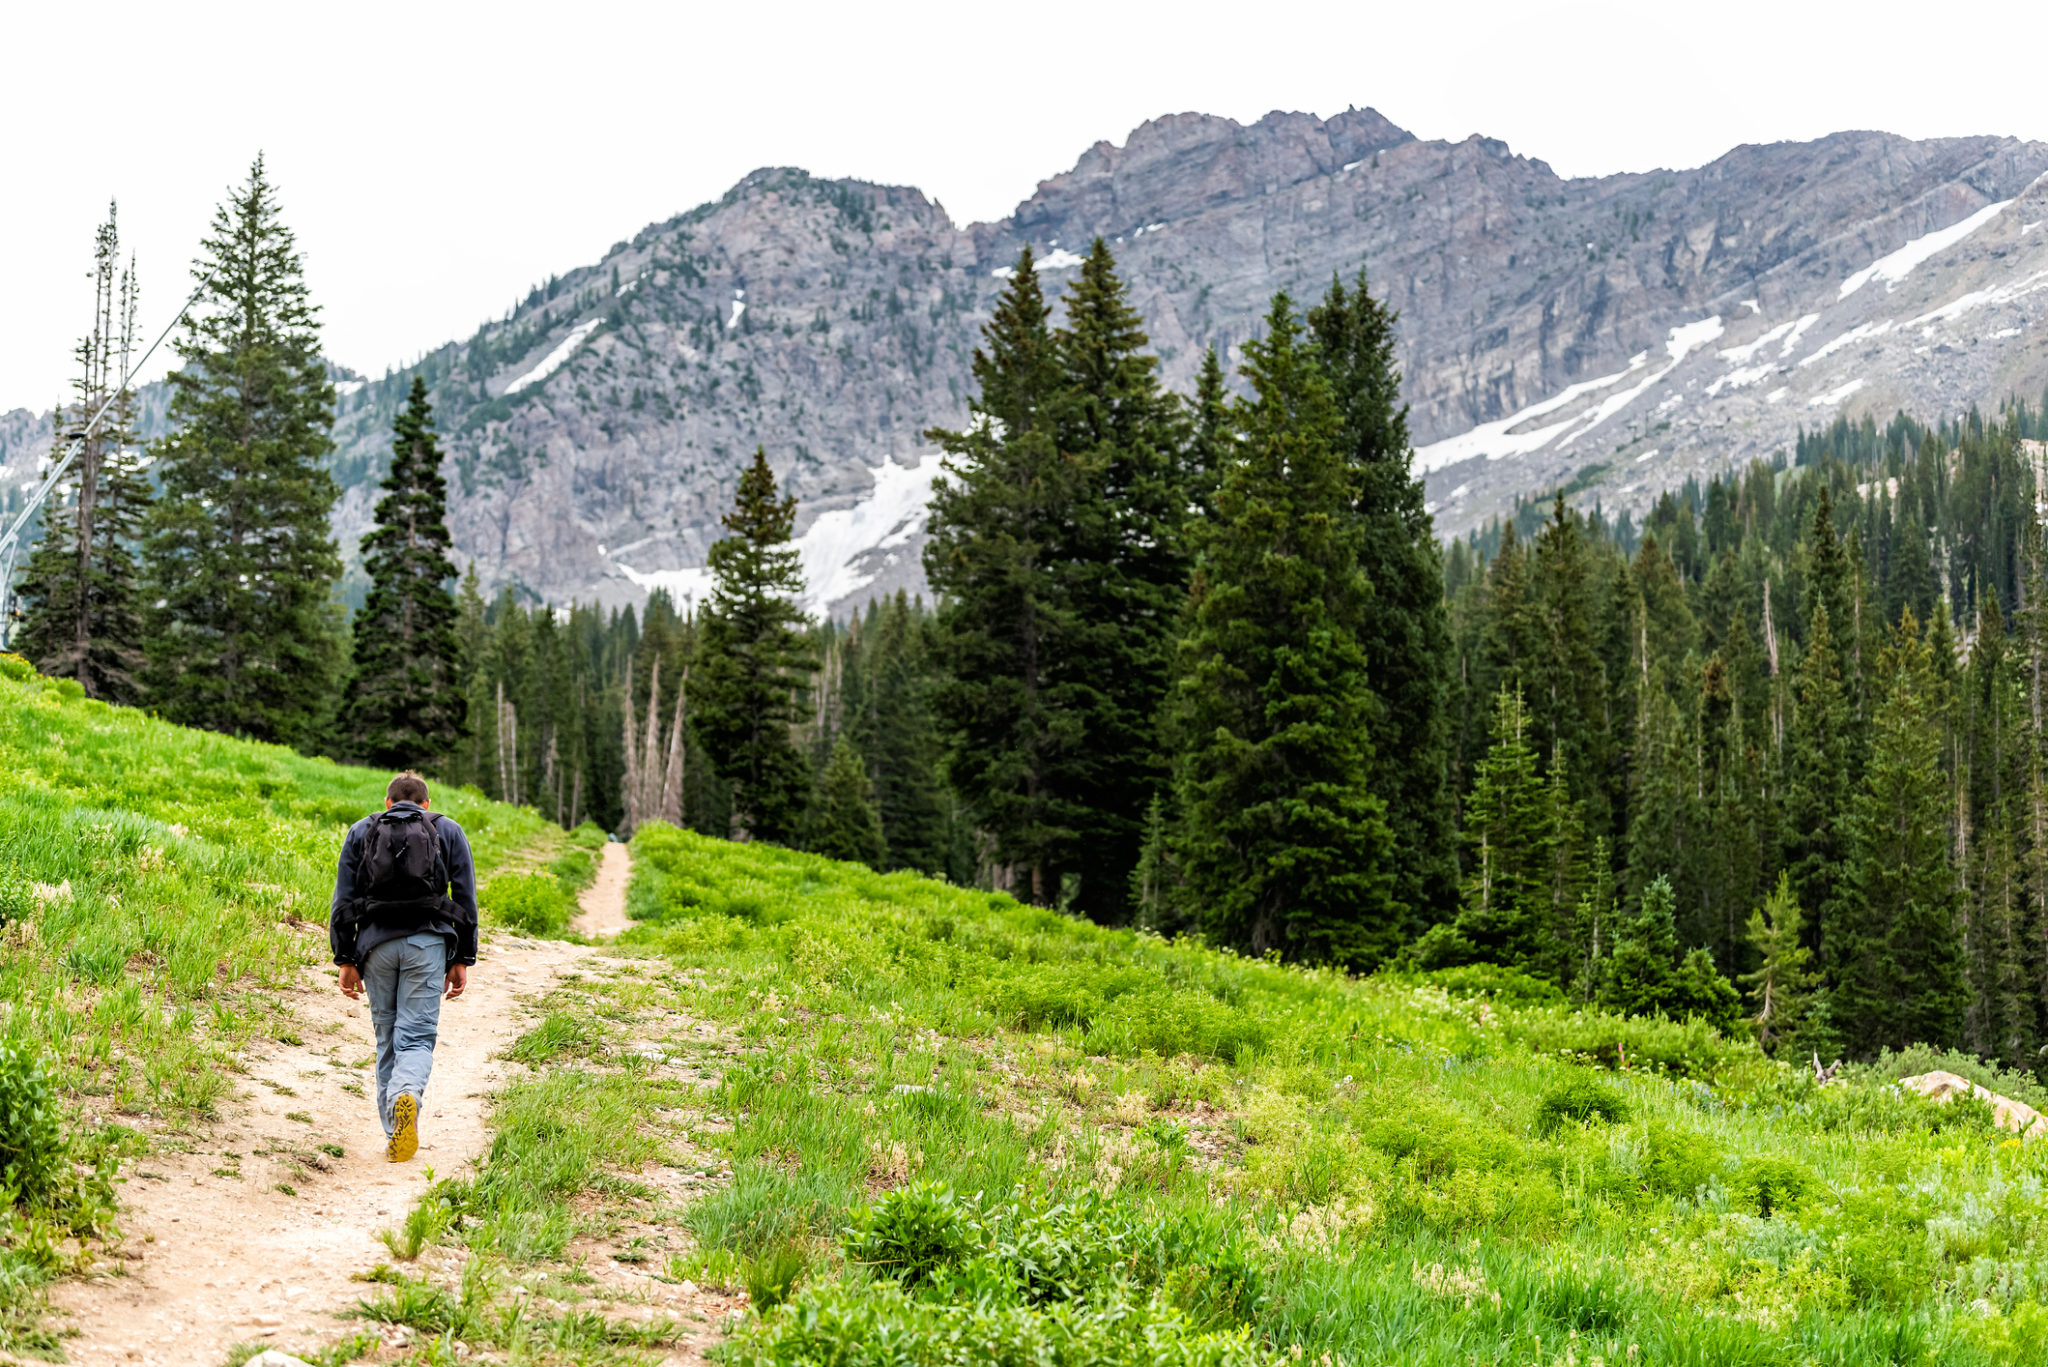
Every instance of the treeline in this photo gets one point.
(197, 577)
(1196, 663)
(1810, 699)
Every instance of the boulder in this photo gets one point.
(2012, 1115)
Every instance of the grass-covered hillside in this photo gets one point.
(916, 1123)
(966, 1130)
(158, 888)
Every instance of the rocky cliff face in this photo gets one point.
(1621, 332)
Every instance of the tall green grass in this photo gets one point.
(1383, 1170)
(158, 883)
(160, 889)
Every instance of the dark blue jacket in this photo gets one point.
(459, 930)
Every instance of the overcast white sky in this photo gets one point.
(438, 159)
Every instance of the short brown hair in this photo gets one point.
(407, 787)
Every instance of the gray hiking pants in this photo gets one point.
(403, 981)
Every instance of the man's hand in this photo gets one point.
(351, 982)
(458, 978)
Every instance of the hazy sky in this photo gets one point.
(438, 159)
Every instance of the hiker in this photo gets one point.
(403, 930)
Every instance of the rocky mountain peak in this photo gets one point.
(1613, 334)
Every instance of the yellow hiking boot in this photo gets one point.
(405, 1129)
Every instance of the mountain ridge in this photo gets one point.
(595, 433)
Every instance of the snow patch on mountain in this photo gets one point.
(555, 359)
(1059, 258)
(1899, 264)
(1495, 440)
(1850, 338)
(839, 550)
(1976, 299)
(1835, 396)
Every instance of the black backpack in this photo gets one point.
(403, 880)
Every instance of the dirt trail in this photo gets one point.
(604, 901)
(219, 1253)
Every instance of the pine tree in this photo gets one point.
(1783, 987)
(1897, 963)
(845, 824)
(79, 592)
(756, 660)
(405, 706)
(992, 556)
(1209, 436)
(1126, 573)
(1282, 843)
(1505, 916)
(1406, 631)
(1647, 975)
(246, 636)
(1817, 794)
(1563, 678)
(892, 725)
(1663, 805)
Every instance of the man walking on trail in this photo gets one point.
(403, 930)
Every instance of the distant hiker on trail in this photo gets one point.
(403, 929)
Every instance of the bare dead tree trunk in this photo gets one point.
(629, 785)
(672, 779)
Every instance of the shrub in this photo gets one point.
(1579, 1101)
(1770, 1185)
(34, 1152)
(915, 1233)
(573, 870)
(532, 903)
(1679, 1163)
(1509, 985)
(858, 1326)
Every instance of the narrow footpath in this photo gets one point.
(248, 1230)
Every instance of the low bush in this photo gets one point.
(1495, 982)
(852, 1326)
(1771, 1185)
(1579, 1101)
(35, 1154)
(530, 903)
(915, 1234)
(1679, 1162)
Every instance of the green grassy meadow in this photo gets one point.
(921, 1124)
(962, 1122)
(159, 887)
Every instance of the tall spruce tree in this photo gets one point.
(756, 660)
(1209, 436)
(844, 822)
(1126, 571)
(405, 706)
(246, 636)
(1282, 843)
(891, 724)
(1563, 677)
(81, 614)
(1896, 962)
(1783, 987)
(1816, 801)
(1406, 633)
(1508, 838)
(994, 556)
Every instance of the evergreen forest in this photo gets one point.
(1774, 758)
